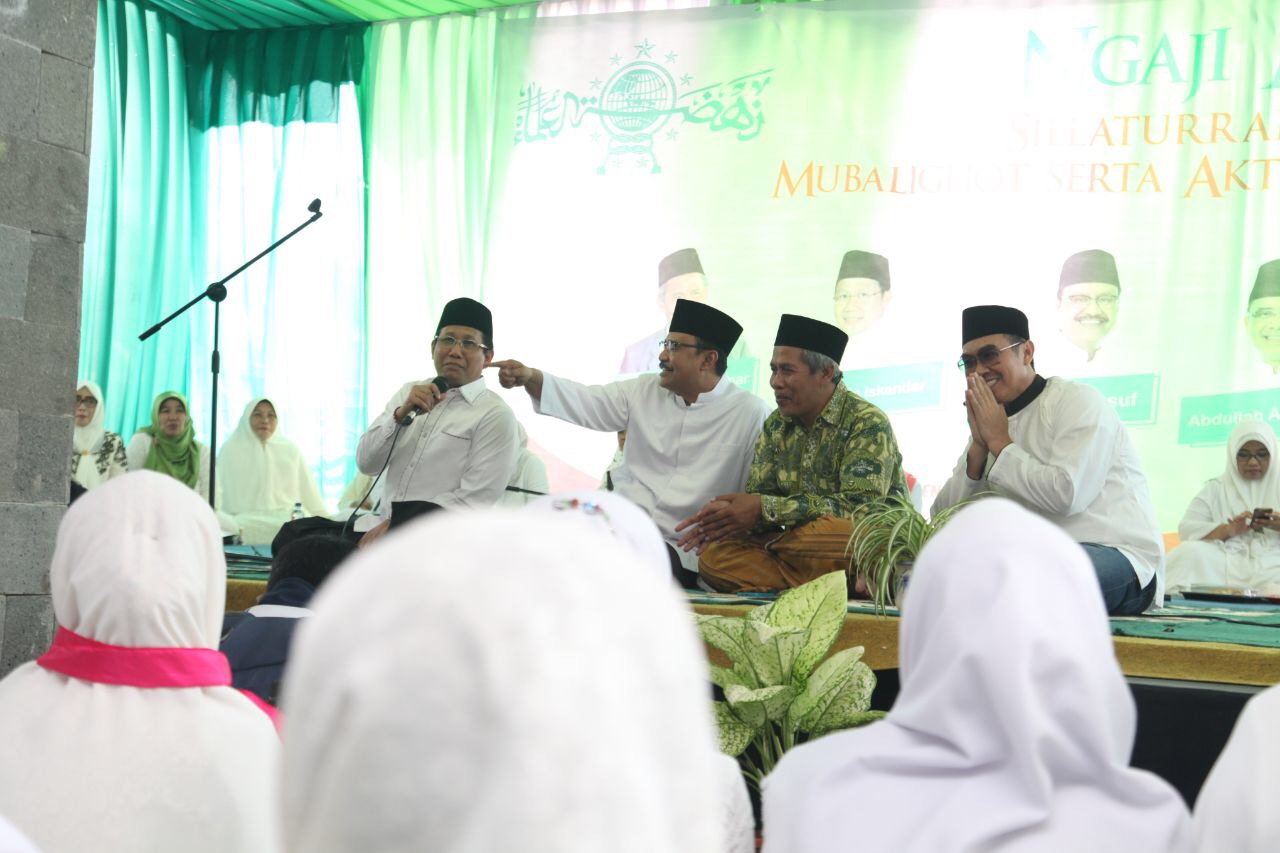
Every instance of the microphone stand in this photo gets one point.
(215, 293)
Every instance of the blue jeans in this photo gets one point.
(1119, 584)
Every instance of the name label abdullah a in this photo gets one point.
(1210, 419)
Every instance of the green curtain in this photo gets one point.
(276, 122)
(430, 85)
(207, 147)
(137, 254)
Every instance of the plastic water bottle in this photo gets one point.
(297, 511)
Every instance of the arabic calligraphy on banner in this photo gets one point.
(641, 104)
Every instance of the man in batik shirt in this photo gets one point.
(824, 453)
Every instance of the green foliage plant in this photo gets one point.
(778, 689)
(887, 537)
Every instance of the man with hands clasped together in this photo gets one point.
(1059, 449)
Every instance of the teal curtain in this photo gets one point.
(208, 146)
(137, 253)
(275, 122)
(431, 90)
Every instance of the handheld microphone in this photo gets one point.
(441, 383)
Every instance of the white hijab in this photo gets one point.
(88, 766)
(460, 689)
(1251, 494)
(1230, 494)
(611, 513)
(256, 475)
(1236, 807)
(89, 437)
(1014, 725)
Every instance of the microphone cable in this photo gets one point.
(395, 435)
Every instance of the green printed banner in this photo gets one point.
(904, 386)
(742, 372)
(1209, 420)
(545, 162)
(1134, 396)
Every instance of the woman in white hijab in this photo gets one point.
(460, 688)
(262, 475)
(610, 513)
(1222, 543)
(1236, 810)
(1014, 725)
(97, 454)
(126, 735)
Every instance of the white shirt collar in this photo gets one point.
(471, 390)
(704, 397)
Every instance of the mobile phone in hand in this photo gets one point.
(1262, 514)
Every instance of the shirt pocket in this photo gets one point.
(454, 445)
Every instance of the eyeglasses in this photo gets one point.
(449, 342)
(989, 356)
(674, 346)
(87, 402)
(859, 295)
(1264, 313)
(1245, 456)
(1080, 300)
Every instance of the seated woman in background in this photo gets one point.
(127, 735)
(97, 454)
(1223, 544)
(1013, 726)
(168, 446)
(261, 475)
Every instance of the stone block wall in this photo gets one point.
(46, 82)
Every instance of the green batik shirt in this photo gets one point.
(849, 458)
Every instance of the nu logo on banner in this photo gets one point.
(641, 104)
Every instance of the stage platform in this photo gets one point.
(1207, 645)
(1191, 668)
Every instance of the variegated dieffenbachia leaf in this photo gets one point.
(761, 613)
(836, 691)
(724, 633)
(756, 706)
(735, 735)
(746, 675)
(722, 677)
(818, 607)
(772, 650)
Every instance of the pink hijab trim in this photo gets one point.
(89, 660)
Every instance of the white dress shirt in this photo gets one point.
(460, 454)
(530, 476)
(1072, 462)
(677, 456)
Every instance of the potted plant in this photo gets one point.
(886, 539)
(778, 690)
